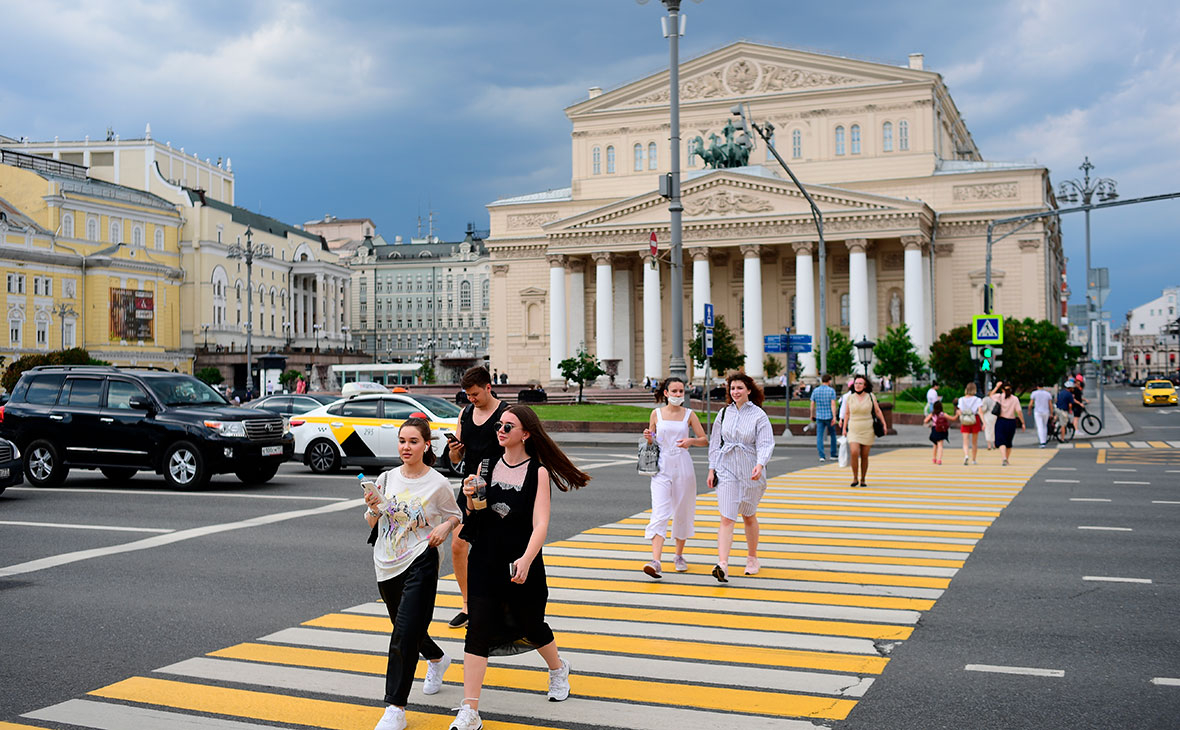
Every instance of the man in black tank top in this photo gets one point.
(475, 441)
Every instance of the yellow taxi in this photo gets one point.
(362, 430)
(1159, 393)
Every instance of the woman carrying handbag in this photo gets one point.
(861, 420)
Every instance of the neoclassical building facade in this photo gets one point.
(884, 152)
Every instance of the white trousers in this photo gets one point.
(674, 499)
(1042, 420)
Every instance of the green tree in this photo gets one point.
(896, 356)
(426, 371)
(73, 356)
(950, 357)
(581, 368)
(287, 379)
(726, 355)
(1035, 352)
(209, 376)
(839, 353)
(772, 366)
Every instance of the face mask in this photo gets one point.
(675, 400)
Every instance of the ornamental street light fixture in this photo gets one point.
(316, 328)
(249, 253)
(64, 310)
(864, 353)
(287, 328)
(344, 334)
(205, 331)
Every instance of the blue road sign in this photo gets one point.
(708, 314)
(774, 343)
(798, 347)
(708, 342)
(799, 339)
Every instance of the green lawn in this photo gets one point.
(901, 406)
(605, 412)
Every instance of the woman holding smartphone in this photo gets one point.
(409, 518)
(506, 589)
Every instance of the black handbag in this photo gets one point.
(878, 424)
(996, 410)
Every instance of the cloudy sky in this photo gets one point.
(391, 108)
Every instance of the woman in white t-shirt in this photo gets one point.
(413, 517)
(968, 411)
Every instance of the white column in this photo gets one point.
(915, 299)
(297, 301)
(874, 316)
(557, 325)
(653, 334)
(624, 321)
(858, 289)
(604, 315)
(701, 285)
(577, 305)
(317, 309)
(927, 306)
(752, 291)
(805, 303)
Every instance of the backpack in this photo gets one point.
(940, 422)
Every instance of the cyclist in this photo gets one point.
(1065, 405)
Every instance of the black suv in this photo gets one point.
(123, 420)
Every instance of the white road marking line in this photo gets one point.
(1062, 481)
(1168, 681)
(178, 536)
(1063, 468)
(17, 523)
(1111, 579)
(1030, 671)
(1140, 445)
(1098, 527)
(168, 493)
(110, 716)
(1139, 483)
(1163, 501)
(1087, 499)
(587, 467)
(1108, 469)
(1172, 471)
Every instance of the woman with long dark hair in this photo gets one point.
(506, 526)
(1010, 414)
(674, 488)
(409, 519)
(856, 423)
(739, 447)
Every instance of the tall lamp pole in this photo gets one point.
(249, 253)
(1073, 191)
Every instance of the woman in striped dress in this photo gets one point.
(739, 447)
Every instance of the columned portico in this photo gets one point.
(915, 295)
(805, 303)
(653, 357)
(557, 320)
(604, 338)
(752, 309)
(700, 283)
(623, 317)
(858, 288)
(577, 304)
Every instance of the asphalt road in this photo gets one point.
(78, 626)
(1023, 600)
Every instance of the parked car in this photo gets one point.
(362, 430)
(292, 404)
(124, 420)
(11, 472)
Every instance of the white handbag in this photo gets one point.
(844, 455)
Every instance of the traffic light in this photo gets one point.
(989, 358)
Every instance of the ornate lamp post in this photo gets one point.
(344, 334)
(249, 253)
(287, 327)
(864, 353)
(316, 328)
(64, 310)
(205, 333)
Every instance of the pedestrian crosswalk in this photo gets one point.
(846, 575)
(1120, 445)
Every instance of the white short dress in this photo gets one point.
(674, 488)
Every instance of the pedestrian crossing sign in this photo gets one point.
(987, 329)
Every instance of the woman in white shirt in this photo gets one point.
(412, 517)
(969, 413)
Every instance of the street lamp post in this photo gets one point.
(1073, 191)
(864, 353)
(205, 331)
(287, 327)
(249, 253)
(64, 310)
(316, 328)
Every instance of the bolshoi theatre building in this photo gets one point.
(884, 152)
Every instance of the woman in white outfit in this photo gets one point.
(674, 488)
(986, 405)
(739, 447)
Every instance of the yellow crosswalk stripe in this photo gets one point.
(1158, 445)
(836, 518)
(832, 541)
(1120, 444)
(767, 531)
(15, 726)
(772, 554)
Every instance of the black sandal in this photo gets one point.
(862, 484)
(853, 484)
(719, 574)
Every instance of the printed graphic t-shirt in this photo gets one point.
(416, 506)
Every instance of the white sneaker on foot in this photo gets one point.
(559, 682)
(467, 719)
(653, 569)
(680, 564)
(434, 675)
(393, 719)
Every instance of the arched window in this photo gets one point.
(67, 225)
(92, 229)
(610, 160)
(887, 137)
(653, 156)
(116, 232)
(690, 151)
(903, 135)
(796, 144)
(854, 139)
(159, 239)
(638, 150)
(839, 140)
(596, 157)
(136, 236)
(487, 294)
(465, 295)
(843, 310)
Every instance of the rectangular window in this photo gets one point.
(16, 283)
(69, 334)
(14, 334)
(42, 334)
(42, 286)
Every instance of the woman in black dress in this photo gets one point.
(506, 589)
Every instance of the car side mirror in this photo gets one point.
(140, 403)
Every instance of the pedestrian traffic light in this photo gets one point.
(989, 358)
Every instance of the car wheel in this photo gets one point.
(118, 473)
(322, 456)
(184, 467)
(43, 465)
(258, 474)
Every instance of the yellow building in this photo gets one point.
(88, 263)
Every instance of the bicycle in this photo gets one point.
(1061, 435)
(1091, 424)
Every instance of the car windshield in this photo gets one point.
(1159, 384)
(438, 406)
(184, 390)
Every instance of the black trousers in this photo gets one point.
(409, 598)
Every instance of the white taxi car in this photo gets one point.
(362, 430)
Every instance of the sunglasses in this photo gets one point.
(505, 427)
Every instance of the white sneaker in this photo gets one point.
(559, 682)
(680, 564)
(393, 719)
(467, 719)
(434, 675)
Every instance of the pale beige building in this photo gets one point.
(883, 150)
